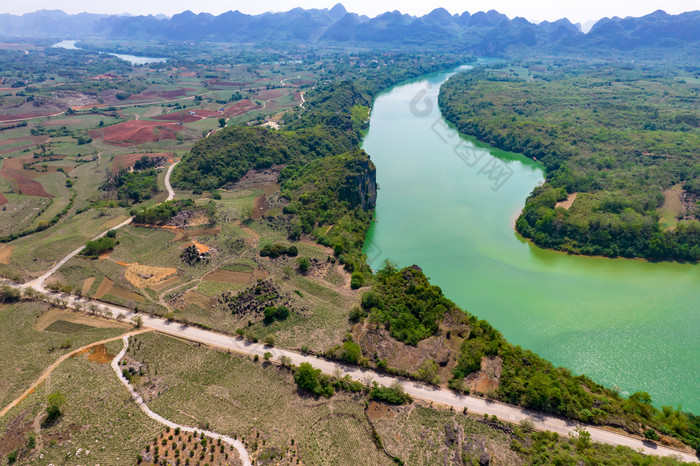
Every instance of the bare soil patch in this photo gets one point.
(567, 203)
(99, 354)
(6, 250)
(126, 161)
(136, 132)
(377, 411)
(108, 287)
(87, 284)
(488, 378)
(103, 288)
(673, 207)
(252, 233)
(14, 172)
(272, 93)
(146, 276)
(15, 436)
(120, 292)
(239, 108)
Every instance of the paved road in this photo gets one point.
(417, 390)
(245, 457)
(38, 283)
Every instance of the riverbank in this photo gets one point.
(456, 224)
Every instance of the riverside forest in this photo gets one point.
(423, 255)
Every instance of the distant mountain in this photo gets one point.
(486, 33)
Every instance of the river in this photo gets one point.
(449, 206)
(133, 59)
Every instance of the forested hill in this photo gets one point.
(327, 179)
(624, 140)
(485, 33)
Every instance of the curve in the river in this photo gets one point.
(449, 206)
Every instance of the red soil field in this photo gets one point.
(272, 93)
(185, 117)
(123, 161)
(136, 132)
(239, 108)
(13, 171)
(3, 199)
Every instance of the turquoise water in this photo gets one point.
(449, 207)
(133, 59)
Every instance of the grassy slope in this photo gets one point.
(25, 352)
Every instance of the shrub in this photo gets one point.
(304, 264)
(99, 246)
(274, 251)
(357, 280)
(275, 313)
(393, 395)
(311, 380)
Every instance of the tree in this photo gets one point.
(138, 321)
(53, 407)
(583, 438)
(310, 380)
(222, 122)
(267, 356)
(428, 372)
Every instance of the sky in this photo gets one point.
(534, 10)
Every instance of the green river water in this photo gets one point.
(450, 206)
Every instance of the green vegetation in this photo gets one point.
(616, 135)
(412, 310)
(53, 407)
(333, 197)
(273, 251)
(313, 381)
(99, 246)
(133, 187)
(273, 313)
(161, 213)
(407, 303)
(393, 395)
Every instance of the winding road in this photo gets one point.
(430, 394)
(237, 444)
(441, 396)
(38, 283)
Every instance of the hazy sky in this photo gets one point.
(536, 10)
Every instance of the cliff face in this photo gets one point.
(360, 185)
